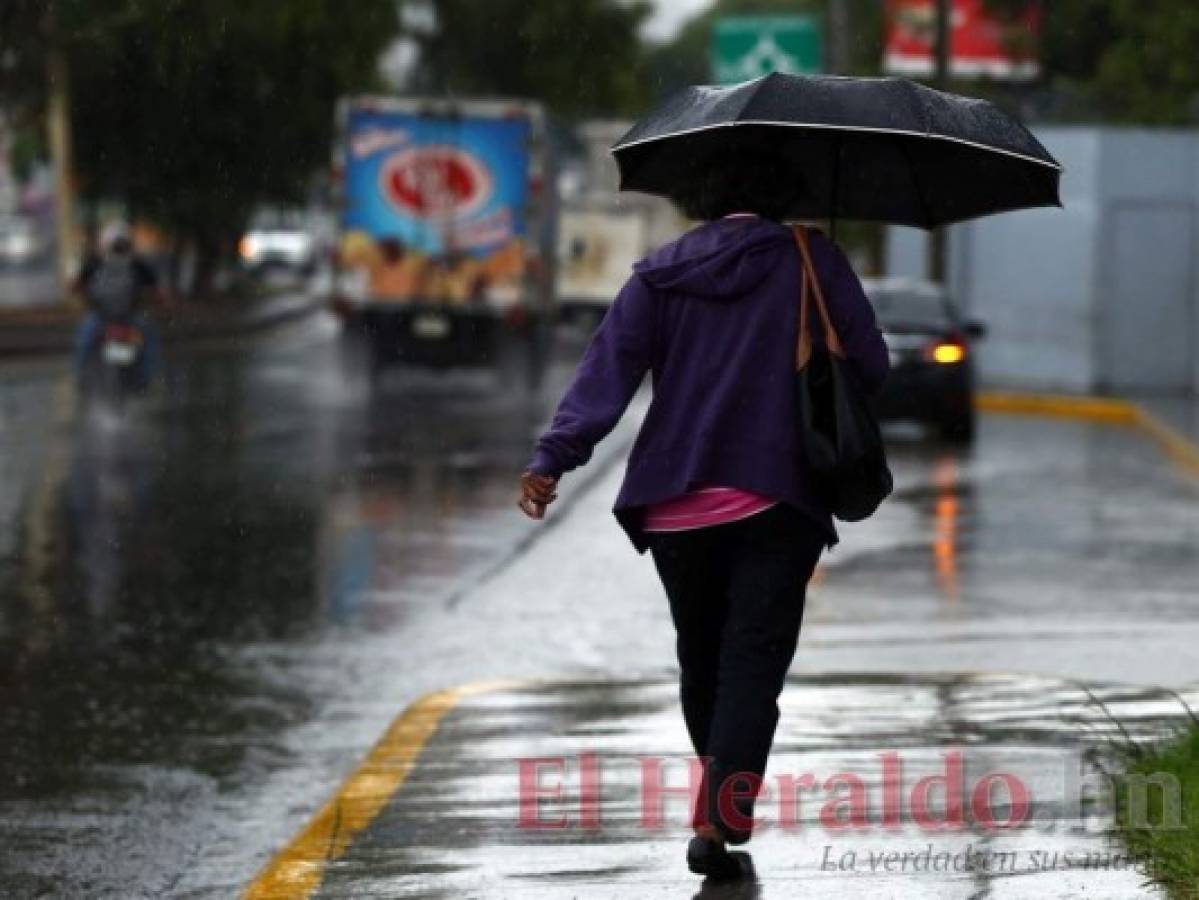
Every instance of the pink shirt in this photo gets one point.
(704, 507)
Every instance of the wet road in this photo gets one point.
(209, 612)
(181, 592)
(28, 285)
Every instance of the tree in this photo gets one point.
(1118, 60)
(579, 58)
(193, 114)
(22, 55)
(23, 62)
(1150, 73)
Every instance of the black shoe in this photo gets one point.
(705, 857)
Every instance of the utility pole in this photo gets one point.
(58, 127)
(942, 52)
(838, 31)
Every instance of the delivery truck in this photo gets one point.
(445, 255)
(602, 232)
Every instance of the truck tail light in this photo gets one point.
(517, 316)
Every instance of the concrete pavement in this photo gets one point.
(444, 806)
(1053, 566)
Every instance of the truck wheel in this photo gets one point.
(375, 369)
(508, 363)
(376, 361)
(515, 357)
(354, 357)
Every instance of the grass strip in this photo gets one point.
(1160, 823)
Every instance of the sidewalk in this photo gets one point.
(1029, 554)
(452, 826)
(51, 329)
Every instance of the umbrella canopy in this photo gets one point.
(882, 149)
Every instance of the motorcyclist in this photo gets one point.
(116, 284)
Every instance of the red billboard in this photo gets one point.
(981, 44)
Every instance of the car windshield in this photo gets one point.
(279, 220)
(911, 308)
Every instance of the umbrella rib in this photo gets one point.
(753, 95)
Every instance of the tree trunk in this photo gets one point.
(207, 259)
(175, 265)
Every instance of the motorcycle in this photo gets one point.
(117, 369)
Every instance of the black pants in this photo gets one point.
(736, 595)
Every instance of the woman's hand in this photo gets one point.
(536, 493)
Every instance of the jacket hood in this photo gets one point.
(726, 259)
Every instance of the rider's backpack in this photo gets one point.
(113, 288)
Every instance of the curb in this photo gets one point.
(1182, 450)
(296, 871)
(1095, 409)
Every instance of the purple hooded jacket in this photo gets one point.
(713, 317)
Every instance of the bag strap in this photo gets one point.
(809, 283)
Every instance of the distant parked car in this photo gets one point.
(932, 359)
(280, 240)
(22, 242)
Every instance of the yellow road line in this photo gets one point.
(1098, 409)
(1177, 446)
(1181, 449)
(297, 870)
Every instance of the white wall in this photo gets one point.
(1043, 280)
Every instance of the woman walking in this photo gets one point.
(716, 488)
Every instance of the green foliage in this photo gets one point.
(1122, 61)
(195, 113)
(579, 58)
(1150, 74)
(22, 57)
(1171, 854)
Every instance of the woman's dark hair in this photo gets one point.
(745, 179)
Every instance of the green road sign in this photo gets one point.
(745, 47)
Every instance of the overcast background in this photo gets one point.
(670, 14)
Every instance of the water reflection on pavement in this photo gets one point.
(155, 568)
(452, 830)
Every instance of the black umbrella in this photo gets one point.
(883, 149)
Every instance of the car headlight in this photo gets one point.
(945, 353)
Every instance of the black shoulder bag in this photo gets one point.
(839, 433)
